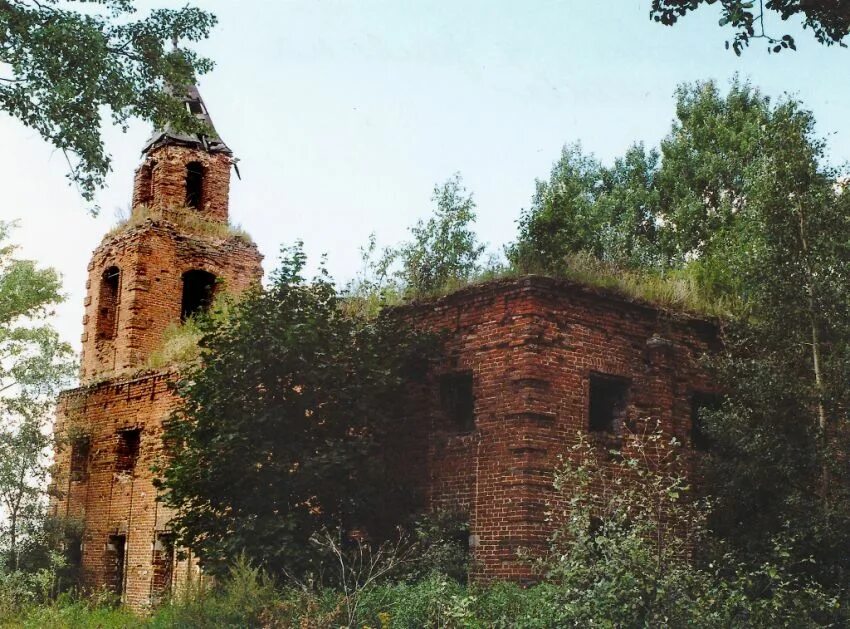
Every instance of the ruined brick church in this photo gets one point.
(528, 363)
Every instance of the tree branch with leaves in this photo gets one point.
(60, 69)
(828, 19)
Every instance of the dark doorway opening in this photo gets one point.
(163, 565)
(116, 547)
(457, 400)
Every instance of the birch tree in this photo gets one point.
(34, 364)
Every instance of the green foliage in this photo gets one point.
(749, 220)
(35, 365)
(288, 426)
(632, 550)
(180, 346)
(829, 21)
(246, 599)
(778, 465)
(444, 250)
(372, 289)
(442, 547)
(696, 209)
(72, 613)
(62, 67)
(181, 342)
(679, 290)
(585, 207)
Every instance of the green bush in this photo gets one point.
(441, 547)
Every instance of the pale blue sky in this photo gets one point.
(345, 114)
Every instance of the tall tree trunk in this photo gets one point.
(13, 541)
(817, 361)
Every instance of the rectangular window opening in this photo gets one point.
(116, 546)
(702, 401)
(107, 312)
(457, 400)
(609, 396)
(80, 449)
(127, 452)
(195, 107)
(163, 565)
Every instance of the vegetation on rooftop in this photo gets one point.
(188, 219)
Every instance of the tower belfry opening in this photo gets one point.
(107, 315)
(194, 184)
(198, 292)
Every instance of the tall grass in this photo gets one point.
(187, 218)
(179, 346)
(677, 289)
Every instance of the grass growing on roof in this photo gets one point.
(677, 289)
(187, 218)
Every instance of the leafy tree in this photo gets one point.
(743, 199)
(609, 213)
(35, 365)
(444, 249)
(784, 430)
(563, 217)
(707, 159)
(829, 20)
(59, 69)
(683, 208)
(290, 426)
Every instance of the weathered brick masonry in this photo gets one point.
(529, 363)
(144, 278)
(530, 355)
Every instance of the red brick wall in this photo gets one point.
(113, 502)
(532, 345)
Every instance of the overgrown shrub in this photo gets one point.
(287, 427)
(442, 547)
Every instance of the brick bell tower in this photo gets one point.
(171, 257)
(167, 262)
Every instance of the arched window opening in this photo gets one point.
(151, 169)
(194, 184)
(198, 292)
(107, 313)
